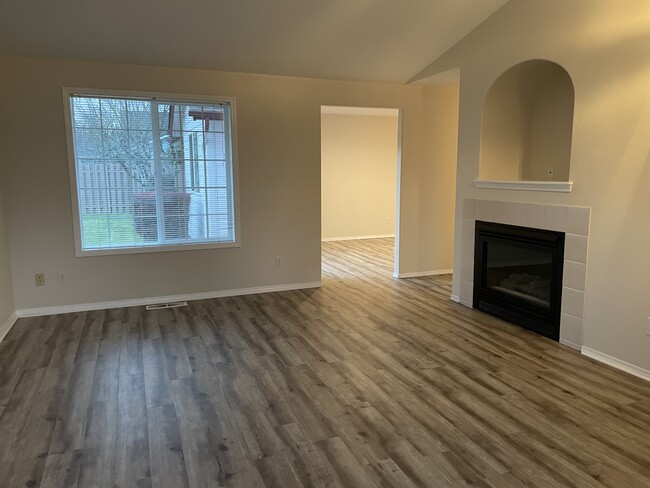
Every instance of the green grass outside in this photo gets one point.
(106, 230)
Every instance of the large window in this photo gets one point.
(151, 173)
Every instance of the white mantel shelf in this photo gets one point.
(557, 186)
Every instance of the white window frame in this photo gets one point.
(72, 169)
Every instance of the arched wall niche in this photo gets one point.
(528, 124)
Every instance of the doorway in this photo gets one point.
(360, 164)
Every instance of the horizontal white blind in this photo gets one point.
(152, 172)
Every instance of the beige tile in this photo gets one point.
(468, 229)
(555, 217)
(577, 220)
(534, 216)
(467, 250)
(467, 293)
(485, 210)
(516, 214)
(500, 212)
(575, 248)
(574, 275)
(467, 270)
(571, 329)
(469, 208)
(573, 302)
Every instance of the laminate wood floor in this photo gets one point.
(366, 382)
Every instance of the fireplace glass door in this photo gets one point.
(518, 275)
(523, 271)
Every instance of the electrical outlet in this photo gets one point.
(387, 220)
(39, 279)
(278, 261)
(62, 278)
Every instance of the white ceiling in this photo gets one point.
(370, 40)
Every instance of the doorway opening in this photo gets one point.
(360, 168)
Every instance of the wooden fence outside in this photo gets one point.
(106, 188)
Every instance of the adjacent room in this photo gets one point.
(326, 243)
(359, 178)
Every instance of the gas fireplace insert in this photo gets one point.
(518, 275)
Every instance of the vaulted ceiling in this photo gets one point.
(370, 40)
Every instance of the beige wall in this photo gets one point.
(605, 47)
(278, 121)
(358, 174)
(551, 131)
(505, 136)
(6, 288)
(438, 179)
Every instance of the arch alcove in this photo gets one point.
(527, 127)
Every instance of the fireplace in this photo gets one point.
(518, 275)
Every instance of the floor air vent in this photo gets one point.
(160, 306)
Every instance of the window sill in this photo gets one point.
(154, 249)
(553, 186)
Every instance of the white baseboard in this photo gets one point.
(616, 363)
(418, 274)
(356, 238)
(6, 327)
(570, 344)
(466, 303)
(84, 307)
(455, 298)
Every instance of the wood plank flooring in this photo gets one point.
(366, 382)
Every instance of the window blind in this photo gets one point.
(152, 172)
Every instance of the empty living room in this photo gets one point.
(334, 243)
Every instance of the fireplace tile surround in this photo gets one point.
(574, 221)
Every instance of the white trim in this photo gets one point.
(570, 344)
(340, 110)
(466, 303)
(455, 298)
(616, 363)
(398, 190)
(418, 274)
(557, 186)
(6, 327)
(148, 249)
(84, 307)
(356, 238)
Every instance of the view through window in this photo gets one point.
(152, 172)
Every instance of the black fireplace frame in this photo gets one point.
(537, 318)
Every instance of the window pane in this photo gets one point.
(215, 146)
(111, 208)
(88, 143)
(139, 114)
(113, 113)
(86, 113)
(216, 173)
(115, 143)
(140, 144)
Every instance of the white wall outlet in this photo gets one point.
(39, 279)
(62, 278)
(278, 261)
